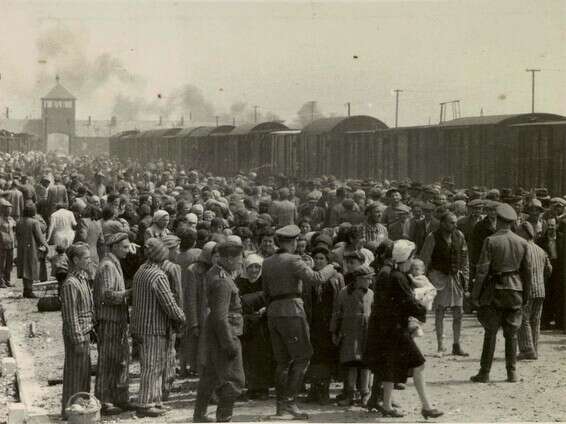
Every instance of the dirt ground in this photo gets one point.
(539, 395)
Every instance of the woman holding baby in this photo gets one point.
(445, 255)
(391, 352)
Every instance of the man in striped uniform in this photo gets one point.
(173, 272)
(155, 315)
(111, 302)
(541, 269)
(77, 310)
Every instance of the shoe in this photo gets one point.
(393, 413)
(431, 413)
(512, 377)
(30, 296)
(201, 419)
(480, 378)
(110, 409)
(127, 406)
(292, 408)
(149, 412)
(399, 386)
(527, 356)
(364, 399)
(457, 350)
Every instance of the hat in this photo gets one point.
(323, 238)
(114, 238)
(542, 193)
(288, 231)
(490, 204)
(402, 250)
(155, 250)
(192, 218)
(171, 240)
(476, 203)
(197, 209)
(4, 202)
(535, 203)
(206, 252)
(159, 214)
(506, 213)
(232, 246)
(363, 271)
(493, 194)
(390, 192)
(460, 195)
(558, 200)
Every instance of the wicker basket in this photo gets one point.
(87, 416)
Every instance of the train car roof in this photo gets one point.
(159, 132)
(502, 119)
(286, 132)
(540, 124)
(343, 124)
(268, 126)
(206, 131)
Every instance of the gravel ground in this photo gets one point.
(8, 389)
(538, 396)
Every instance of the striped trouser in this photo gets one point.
(76, 370)
(530, 326)
(171, 363)
(153, 357)
(113, 361)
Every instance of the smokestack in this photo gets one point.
(160, 121)
(182, 121)
(7, 113)
(89, 121)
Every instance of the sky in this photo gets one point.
(142, 59)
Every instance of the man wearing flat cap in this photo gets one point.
(503, 283)
(223, 371)
(111, 305)
(283, 277)
(155, 314)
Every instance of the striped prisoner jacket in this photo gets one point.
(77, 308)
(154, 308)
(110, 291)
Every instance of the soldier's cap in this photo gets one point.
(476, 203)
(506, 213)
(534, 203)
(5, 203)
(490, 204)
(363, 271)
(232, 246)
(558, 201)
(288, 232)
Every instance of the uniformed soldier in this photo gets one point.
(283, 275)
(223, 371)
(502, 285)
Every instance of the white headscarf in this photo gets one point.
(251, 259)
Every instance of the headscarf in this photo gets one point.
(159, 214)
(114, 238)
(249, 260)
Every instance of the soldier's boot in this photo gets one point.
(201, 407)
(225, 410)
(511, 358)
(486, 360)
(294, 383)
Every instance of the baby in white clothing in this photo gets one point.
(424, 292)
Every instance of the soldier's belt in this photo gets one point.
(285, 296)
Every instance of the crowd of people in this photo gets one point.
(257, 283)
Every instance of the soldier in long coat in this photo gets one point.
(77, 311)
(111, 301)
(223, 372)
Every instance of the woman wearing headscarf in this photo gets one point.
(256, 344)
(321, 300)
(30, 242)
(391, 352)
(158, 228)
(62, 224)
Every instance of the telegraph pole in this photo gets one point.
(217, 120)
(397, 91)
(255, 113)
(312, 110)
(532, 71)
(348, 106)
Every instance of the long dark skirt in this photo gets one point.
(258, 357)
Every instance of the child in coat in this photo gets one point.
(349, 327)
(424, 291)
